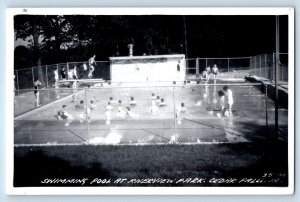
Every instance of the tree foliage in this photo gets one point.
(57, 38)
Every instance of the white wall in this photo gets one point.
(138, 71)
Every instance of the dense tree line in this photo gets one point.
(56, 38)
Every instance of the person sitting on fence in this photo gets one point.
(228, 99)
(205, 76)
(37, 85)
(92, 64)
(162, 103)
(132, 101)
(179, 113)
(215, 71)
(208, 70)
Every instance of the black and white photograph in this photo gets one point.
(151, 100)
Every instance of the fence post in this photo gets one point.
(58, 72)
(254, 65)
(32, 76)
(228, 65)
(67, 71)
(266, 97)
(266, 69)
(17, 77)
(260, 66)
(205, 63)
(175, 115)
(281, 69)
(274, 67)
(46, 76)
(87, 116)
(197, 68)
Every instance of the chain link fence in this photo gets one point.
(228, 67)
(25, 78)
(264, 66)
(144, 115)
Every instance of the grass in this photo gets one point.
(251, 160)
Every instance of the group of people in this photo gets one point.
(208, 71)
(84, 111)
(72, 73)
(156, 101)
(121, 111)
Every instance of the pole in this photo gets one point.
(266, 69)
(17, 77)
(32, 76)
(46, 76)
(185, 39)
(175, 118)
(260, 66)
(228, 64)
(255, 65)
(276, 75)
(197, 68)
(87, 116)
(266, 97)
(67, 71)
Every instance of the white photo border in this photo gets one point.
(10, 12)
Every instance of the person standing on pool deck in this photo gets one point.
(63, 73)
(229, 99)
(75, 72)
(208, 70)
(222, 103)
(215, 71)
(92, 63)
(178, 66)
(37, 84)
(56, 77)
